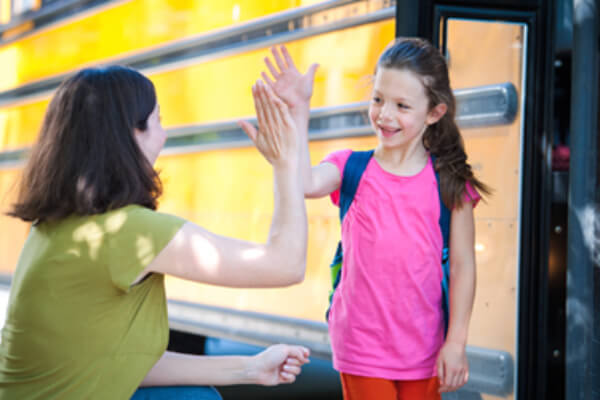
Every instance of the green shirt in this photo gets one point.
(75, 328)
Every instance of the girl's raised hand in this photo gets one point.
(294, 88)
(279, 364)
(276, 137)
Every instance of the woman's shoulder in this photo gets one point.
(144, 217)
(131, 217)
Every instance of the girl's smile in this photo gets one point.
(388, 131)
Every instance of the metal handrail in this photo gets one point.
(481, 106)
(288, 26)
(51, 12)
(491, 371)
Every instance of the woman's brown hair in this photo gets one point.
(86, 160)
(442, 139)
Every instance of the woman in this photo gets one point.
(87, 311)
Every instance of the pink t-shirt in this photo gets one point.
(386, 317)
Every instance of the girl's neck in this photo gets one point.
(407, 160)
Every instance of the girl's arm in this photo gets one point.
(199, 255)
(296, 90)
(453, 369)
(277, 364)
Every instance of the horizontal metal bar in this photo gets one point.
(249, 327)
(478, 107)
(273, 36)
(13, 158)
(342, 121)
(259, 27)
(5, 280)
(279, 28)
(486, 105)
(325, 123)
(48, 14)
(491, 371)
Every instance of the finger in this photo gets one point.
(269, 108)
(460, 379)
(278, 59)
(440, 371)
(463, 377)
(293, 361)
(453, 378)
(312, 70)
(275, 109)
(249, 129)
(272, 120)
(287, 377)
(273, 98)
(306, 352)
(266, 125)
(292, 369)
(279, 108)
(287, 57)
(259, 106)
(297, 353)
(449, 378)
(272, 68)
(267, 79)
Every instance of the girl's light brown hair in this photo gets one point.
(442, 139)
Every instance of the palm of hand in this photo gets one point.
(293, 87)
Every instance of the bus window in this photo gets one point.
(492, 53)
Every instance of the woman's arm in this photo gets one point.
(197, 254)
(295, 89)
(453, 369)
(277, 364)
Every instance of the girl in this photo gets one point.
(87, 314)
(391, 344)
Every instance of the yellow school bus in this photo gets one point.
(203, 57)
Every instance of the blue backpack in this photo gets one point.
(355, 166)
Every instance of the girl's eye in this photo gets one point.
(402, 105)
(376, 100)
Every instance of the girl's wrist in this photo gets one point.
(456, 341)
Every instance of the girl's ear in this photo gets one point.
(436, 113)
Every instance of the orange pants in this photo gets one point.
(365, 388)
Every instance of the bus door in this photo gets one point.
(498, 54)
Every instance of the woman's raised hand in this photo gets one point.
(276, 136)
(294, 88)
(279, 363)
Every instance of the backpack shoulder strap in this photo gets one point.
(353, 171)
(445, 213)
